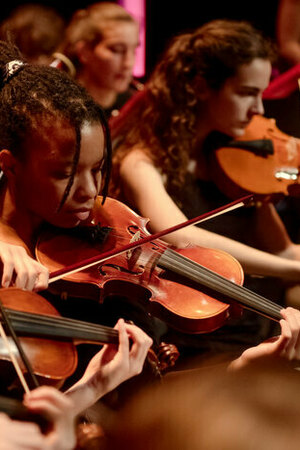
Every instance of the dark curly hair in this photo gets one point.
(39, 94)
(163, 118)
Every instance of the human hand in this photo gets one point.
(112, 365)
(286, 346)
(59, 409)
(19, 435)
(21, 270)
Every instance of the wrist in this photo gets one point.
(86, 392)
(289, 252)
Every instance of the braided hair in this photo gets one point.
(30, 94)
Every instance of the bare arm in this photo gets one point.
(144, 188)
(288, 30)
(111, 366)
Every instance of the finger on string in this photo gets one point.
(290, 317)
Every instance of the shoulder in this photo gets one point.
(136, 159)
(138, 164)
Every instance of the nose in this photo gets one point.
(258, 106)
(129, 59)
(88, 187)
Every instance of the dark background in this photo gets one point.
(166, 18)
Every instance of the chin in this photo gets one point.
(237, 132)
(70, 223)
(122, 87)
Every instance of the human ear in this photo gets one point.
(8, 163)
(83, 51)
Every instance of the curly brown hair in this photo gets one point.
(163, 117)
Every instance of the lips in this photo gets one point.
(80, 214)
(123, 76)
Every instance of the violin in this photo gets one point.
(48, 339)
(264, 161)
(190, 288)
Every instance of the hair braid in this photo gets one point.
(40, 92)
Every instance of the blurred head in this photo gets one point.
(101, 41)
(36, 29)
(56, 144)
(211, 409)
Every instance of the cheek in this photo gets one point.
(104, 58)
(45, 196)
(104, 70)
(234, 111)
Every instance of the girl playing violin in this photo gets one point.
(208, 81)
(55, 156)
(54, 153)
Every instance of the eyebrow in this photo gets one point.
(249, 87)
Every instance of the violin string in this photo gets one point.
(217, 282)
(198, 273)
(243, 293)
(233, 287)
(122, 239)
(240, 293)
(63, 323)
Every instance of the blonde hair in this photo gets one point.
(88, 25)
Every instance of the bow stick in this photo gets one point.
(85, 264)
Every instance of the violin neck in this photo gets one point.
(28, 324)
(216, 283)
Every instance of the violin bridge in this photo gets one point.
(133, 255)
(136, 237)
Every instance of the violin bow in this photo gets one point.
(22, 354)
(89, 262)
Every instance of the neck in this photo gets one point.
(105, 97)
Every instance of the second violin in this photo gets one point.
(264, 161)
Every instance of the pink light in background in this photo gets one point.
(138, 9)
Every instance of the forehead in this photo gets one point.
(57, 142)
(51, 140)
(120, 31)
(256, 74)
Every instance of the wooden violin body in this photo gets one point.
(48, 340)
(264, 161)
(141, 274)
